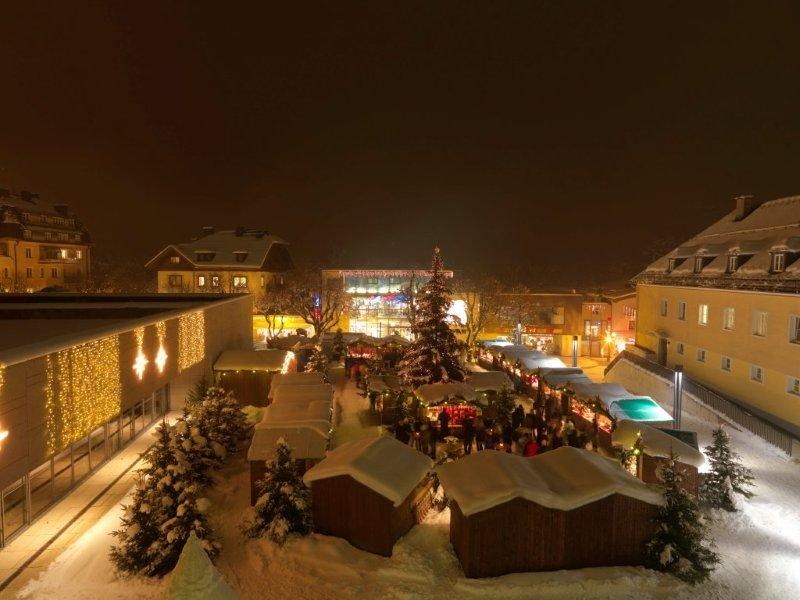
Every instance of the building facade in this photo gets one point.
(42, 245)
(81, 376)
(231, 262)
(726, 307)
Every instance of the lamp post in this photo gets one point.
(676, 412)
(574, 351)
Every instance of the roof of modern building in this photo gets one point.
(753, 232)
(37, 324)
(232, 248)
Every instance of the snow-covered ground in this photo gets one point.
(759, 547)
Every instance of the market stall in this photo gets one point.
(459, 400)
(248, 374)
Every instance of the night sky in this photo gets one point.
(553, 142)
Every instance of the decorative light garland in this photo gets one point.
(191, 339)
(83, 390)
(140, 364)
(287, 362)
(161, 355)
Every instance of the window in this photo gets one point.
(215, 281)
(175, 259)
(679, 348)
(28, 272)
(28, 253)
(41, 272)
(728, 315)
(701, 355)
(756, 373)
(671, 264)
(263, 282)
(201, 281)
(794, 329)
(240, 256)
(176, 280)
(759, 323)
(5, 272)
(733, 263)
(702, 314)
(778, 262)
(78, 253)
(698, 264)
(204, 256)
(682, 311)
(726, 363)
(239, 281)
(793, 386)
(663, 308)
(54, 272)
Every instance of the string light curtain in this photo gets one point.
(191, 339)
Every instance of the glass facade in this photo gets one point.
(379, 304)
(32, 494)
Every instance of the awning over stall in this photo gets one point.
(435, 393)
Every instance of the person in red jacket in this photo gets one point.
(531, 448)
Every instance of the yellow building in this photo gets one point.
(233, 261)
(726, 306)
(42, 245)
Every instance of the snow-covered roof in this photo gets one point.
(562, 479)
(384, 465)
(556, 377)
(305, 378)
(656, 442)
(315, 415)
(305, 442)
(301, 393)
(607, 392)
(434, 393)
(195, 577)
(375, 383)
(489, 380)
(622, 404)
(540, 360)
(251, 360)
(772, 226)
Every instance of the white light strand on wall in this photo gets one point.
(161, 355)
(140, 363)
(191, 339)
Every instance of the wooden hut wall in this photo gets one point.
(343, 507)
(651, 463)
(248, 387)
(521, 536)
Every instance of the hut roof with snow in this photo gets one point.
(563, 479)
(382, 464)
(489, 381)
(301, 393)
(656, 442)
(306, 442)
(620, 403)
(251, 360)
(435, 393)
(304, 378)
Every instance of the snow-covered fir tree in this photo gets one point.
(433, 356)
(681, 546)
(318, 362)
(222, 419)
(196, 394)
(284, 502)
(728, 476)
(196, 578)
(192, 449)
(338, 348)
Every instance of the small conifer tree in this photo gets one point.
(727, 475)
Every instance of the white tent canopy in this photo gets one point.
(656, 442)
(434, 393)
(305, 442)
(563, 479)
(540, 360)
(384, 465)
(558, 377)
(251, 360)
(301, 393)
(489, 381)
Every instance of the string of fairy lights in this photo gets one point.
(191, 339)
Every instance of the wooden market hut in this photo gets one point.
(294, 379)
(565, 509)
(370, 492)
(658, 444)
(248, 374)
(301, 393)
(459, 400)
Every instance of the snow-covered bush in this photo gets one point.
(318, 362)
(222, 420)
(681, 545)
(195, 577)
(727, 475)
(284, 502)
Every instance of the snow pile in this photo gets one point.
(195, 578)
(563, 479)
(656, 442)
(382, 464)
(434, 393)
(301, 393)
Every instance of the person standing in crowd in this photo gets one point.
(517, 417)
(403, 431)
(480, 434)
(444, 424)
(469, 435)
(508, 436)
(531, 448)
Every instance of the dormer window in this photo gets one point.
(204, 256)
(671, 264)
(698, 264)
(174, 259)
(733, 263)
(240, 256)
(778, 262)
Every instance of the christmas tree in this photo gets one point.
(433, 355)
(193, 451)
(284, 502)
(197, 393)
(222, 419)
(195, 577)
(727, 475)
(318, 362)
(681, 545)
(505, 405)
(338, 348)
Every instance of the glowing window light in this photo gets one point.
(161, 355)
(191, 339)
(140, 363)
(3, 436)
(287, 361)
(83, 390)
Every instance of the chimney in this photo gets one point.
(239, 231)
(61, 209)
(744, 206)
(208, 230)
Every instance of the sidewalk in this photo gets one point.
(352, 419)
(35, 548)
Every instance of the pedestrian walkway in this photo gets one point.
(352, 419)
(24, 558)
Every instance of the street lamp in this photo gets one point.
(574, 351)
(676, 411)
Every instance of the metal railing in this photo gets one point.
(770, 432)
